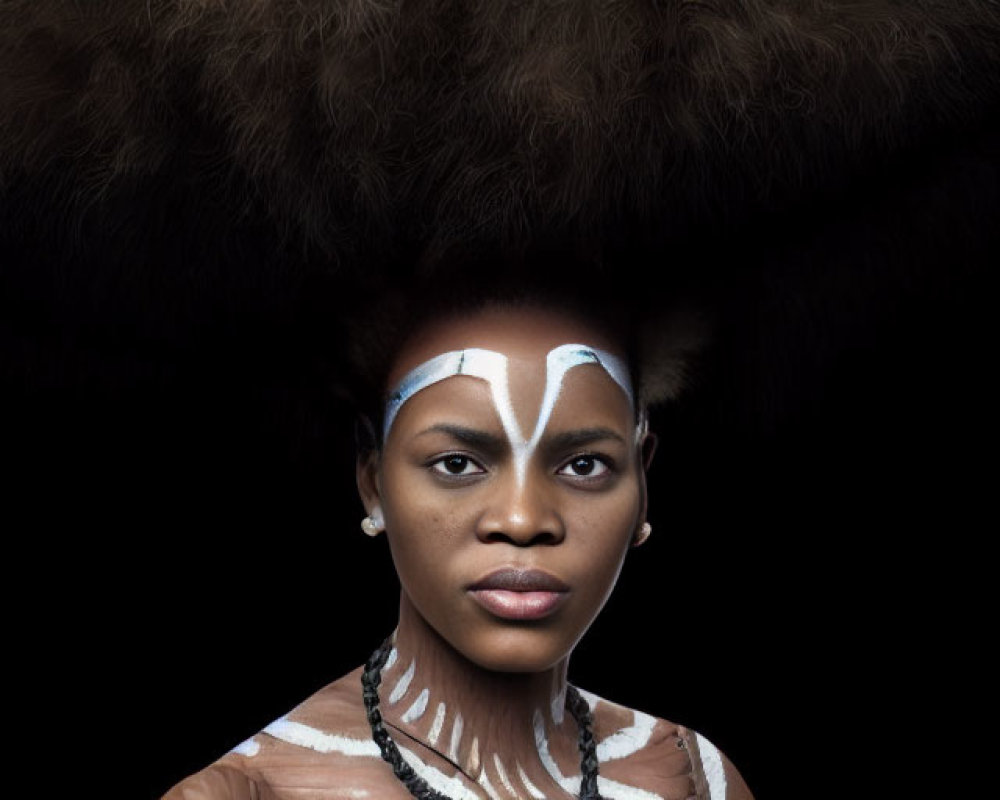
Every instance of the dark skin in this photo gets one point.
(476, 697)
(581, 505)
(453, 507)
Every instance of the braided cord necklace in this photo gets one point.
(371, 678)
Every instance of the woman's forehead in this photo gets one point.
(494, 368)
(525, 335)
(586, 397)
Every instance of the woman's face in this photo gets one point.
(509, 549)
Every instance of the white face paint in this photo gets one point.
(491, 367)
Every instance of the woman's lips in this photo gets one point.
(513, 593)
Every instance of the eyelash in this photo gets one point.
(437, 466)
(440, 461)
(603, 461)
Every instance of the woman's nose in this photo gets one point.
(521, 513)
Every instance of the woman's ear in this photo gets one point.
(366, 468)
(366, 471)
(648, 447)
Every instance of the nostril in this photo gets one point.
(546, 537)
(540, 538)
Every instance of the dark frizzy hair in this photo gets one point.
(360, 129)
(177, 162)
(661, 343)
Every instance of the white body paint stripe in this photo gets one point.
(402, 684)
(456, 738)
(558, 703)
(393, 655)
(542, 745)
(612, 790)
(249, 748)
(502, 775)
(715, 772)
(438, 723)
(531, 788)
(453, 787)
(306, 736)
(625, 741)
(416, 711)
(628, 740)
(473, 763)
(484, 781)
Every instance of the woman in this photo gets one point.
(508, 473)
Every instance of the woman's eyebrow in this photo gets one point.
(580, 437)
(473, 437)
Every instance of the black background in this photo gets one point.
(188, 500)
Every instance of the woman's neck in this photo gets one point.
(506, 725)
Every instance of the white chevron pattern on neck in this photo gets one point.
(312, 738)
(620, 744)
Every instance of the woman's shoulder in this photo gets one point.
(218, 781)
(324, 743)
(672, 757)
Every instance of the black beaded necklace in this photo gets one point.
(371, 678)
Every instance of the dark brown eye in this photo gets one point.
(584, 467)
(456, 464)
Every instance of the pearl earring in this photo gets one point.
(643, 534)
(373, 525)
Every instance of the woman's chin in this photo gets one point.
(518, 651)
